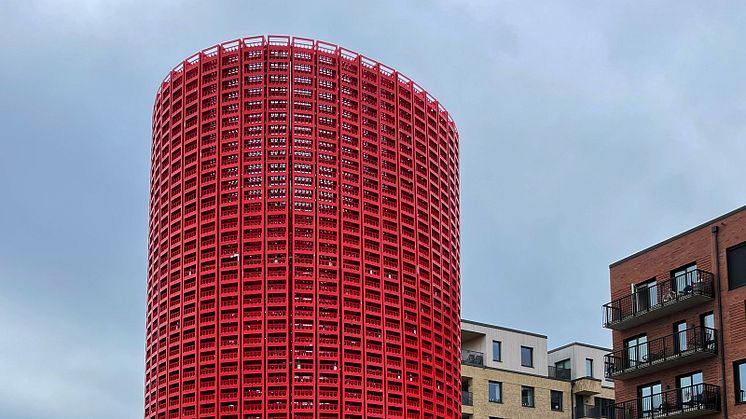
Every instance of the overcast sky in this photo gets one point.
(589, 130)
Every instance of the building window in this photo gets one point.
(636, 350)
(527, 356)
(589, 367)
(690, 388)
(564, 364)
(605, 407)
(739, 377)
(527, 396)
(684, 278)
(646, 295)
(562, 369)
(737, 266)
(467, 398)
(708, 323)
(495, 392)
(556, 400)
(680, 341)
(496, 351)
(651, 400)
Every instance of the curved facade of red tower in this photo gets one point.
(303, 239)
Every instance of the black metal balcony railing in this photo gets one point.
(684, 346)
(472, 358)
(691, 401)
(621, 312)
(597, 412)
(467, 398)
(560, 373)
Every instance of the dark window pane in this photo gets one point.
(646, 295)
(527, 356)
(737, 266)
(495, 392)
(496, 350)
(527, 396)
(556, 400)
(739, 375)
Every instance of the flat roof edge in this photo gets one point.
(670, 239)
(507, 329)
(587, 345)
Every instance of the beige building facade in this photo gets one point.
(510, 374)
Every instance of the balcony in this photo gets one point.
(597, 412)
(467, 398)
(682, 347)
(687, 402)
(587, 386)
(560, 373)
(473, 358)
(659, 300)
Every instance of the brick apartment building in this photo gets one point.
(679, 328)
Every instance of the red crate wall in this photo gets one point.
(303, 239)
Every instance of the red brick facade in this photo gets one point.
(695, 246)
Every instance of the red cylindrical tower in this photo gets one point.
(303, 239)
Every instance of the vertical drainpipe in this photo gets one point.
(572, 398)
(716, 271)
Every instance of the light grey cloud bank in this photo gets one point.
(589, 131)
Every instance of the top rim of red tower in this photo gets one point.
(307, 43)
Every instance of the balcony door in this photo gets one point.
(708, 331)
(650, 399)
(579, 406)
(562, 369)
(680, 340)
(605, 407)
(636, 350)
(690, 389)
(646, 295)
(684, 278)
